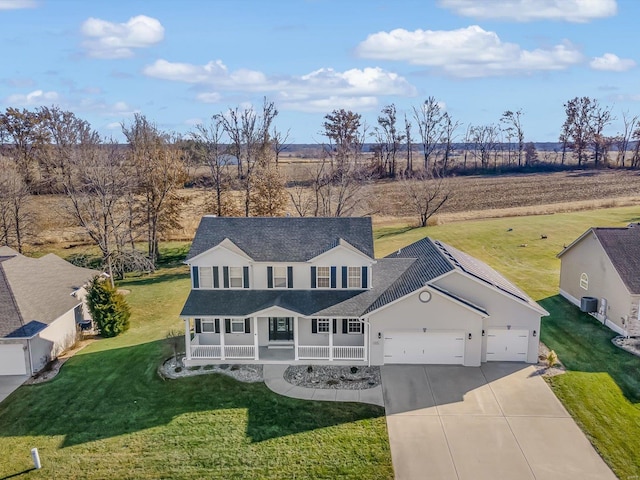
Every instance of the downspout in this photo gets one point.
(30, 357)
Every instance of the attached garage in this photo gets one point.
(12, 361)
(431, 347)
(507, 345)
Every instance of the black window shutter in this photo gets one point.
(227, 325)
(335, 325)
(333, 277)
(198, 324)
(269, 277)
(289, 277)
(225, 275)
(245, 274)
(217, 325)
(365, 277)
(313, 277)
(247, 325)
(216, 278)
(314, 325)
(345, 325)
(196, 278)
(345, 277)
(362, 328)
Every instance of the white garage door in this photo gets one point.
(507, 345)
(419, 347)
(12, 359)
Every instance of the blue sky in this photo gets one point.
(180, 62)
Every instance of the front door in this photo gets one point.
(280, 328)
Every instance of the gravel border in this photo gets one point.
(333, 377)
(542, 368)
(629, 344)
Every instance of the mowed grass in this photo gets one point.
(601, 388)
(109, 415)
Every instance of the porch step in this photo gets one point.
(281, 346)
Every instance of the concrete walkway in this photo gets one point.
(9, 383)
(498, 421)
(274, 379)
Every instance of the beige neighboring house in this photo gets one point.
(309, 290)
(41, 303)
(600, 272)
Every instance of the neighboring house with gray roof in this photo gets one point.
(602, 266)
(309, 290)
(41, 301)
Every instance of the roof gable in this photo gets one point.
(622, 246)
(283, 239)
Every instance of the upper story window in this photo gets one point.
(280, 277)
(355, 277)
(235, 277)
(205, 276)
(323, 277)
(584, 281)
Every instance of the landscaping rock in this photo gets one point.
(333, 377)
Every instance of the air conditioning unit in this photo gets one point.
(589, 304)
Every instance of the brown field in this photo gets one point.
(472, 197)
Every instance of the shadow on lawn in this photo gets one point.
(114, 392)
(584, 344)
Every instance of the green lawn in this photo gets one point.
(601, 390)
(108, 414)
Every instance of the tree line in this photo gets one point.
(122, 195)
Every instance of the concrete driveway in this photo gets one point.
(498, 421)
(9, 383)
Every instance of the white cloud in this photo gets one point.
(105, 39)
(308, 92)
(529, 10)
(37, 97)
(113, 126)
(16, 4)
(466, 52)
(612, 63)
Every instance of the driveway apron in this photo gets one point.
(498, 421)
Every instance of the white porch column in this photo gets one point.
(223, 327)
(255, 338)
(187, 337)
(367, 337)
(295, 338)
(331, 338)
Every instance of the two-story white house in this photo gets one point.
(310, 290)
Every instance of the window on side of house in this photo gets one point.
(354, 277)
(323, 277)
(237, 325)
(205, 277)
(354, 326)
(280, 277)
(584, 281)
(235, 277)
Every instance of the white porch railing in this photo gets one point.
(321, 352)
(230, 351)
(313, 352)
(348, 353)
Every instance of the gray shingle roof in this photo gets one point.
(283, 239)
(36, 291)
(622, 246)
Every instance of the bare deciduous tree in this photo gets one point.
(16, 223)
(623, 139)
(513, 120)
(425, 194)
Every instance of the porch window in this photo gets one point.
(354, 277)
(323, 277)
(208, 326)
(584, 281)
(323, 325)
(205, 276)
(280, 277)
(235, 277)
(237, 325)
(354, 325)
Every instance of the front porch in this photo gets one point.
(274, 340)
